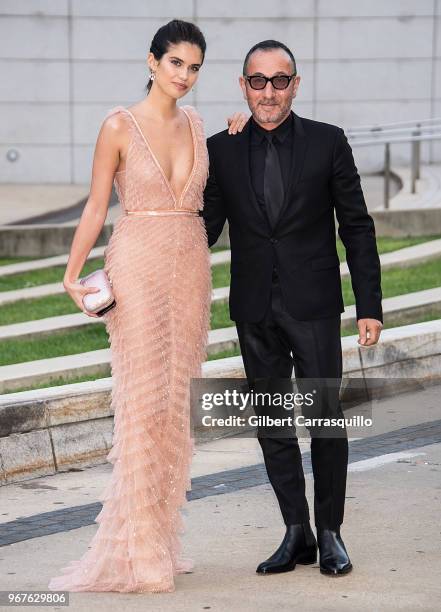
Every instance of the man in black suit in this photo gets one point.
(278, 182)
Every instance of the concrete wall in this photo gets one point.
(64, 63)
(50, 240)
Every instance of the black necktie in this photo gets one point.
(273, 190)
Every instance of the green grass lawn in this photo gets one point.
(221, 355)
(61, 304)
(395, 281)
(37, 308)
(89, 338)
(81, 340)
(44, 276)
(387, 245)
(5, 261)
(56, 382)
(55, 274)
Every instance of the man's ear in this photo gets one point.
(296, 86)
(243, 86)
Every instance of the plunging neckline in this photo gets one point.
(166, 181)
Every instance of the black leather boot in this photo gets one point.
(334, 559)
(298, 546)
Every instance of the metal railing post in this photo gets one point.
(413, 165)
(414, 132)
(386, 174)
(418, 152)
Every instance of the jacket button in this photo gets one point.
(273, 240)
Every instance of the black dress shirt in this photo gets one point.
(283, 138)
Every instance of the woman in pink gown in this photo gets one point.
(159, 263)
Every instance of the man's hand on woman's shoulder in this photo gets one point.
(236, 122)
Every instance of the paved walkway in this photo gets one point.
(427, 189)
(22, 202)
(64, 204)
(391, 526)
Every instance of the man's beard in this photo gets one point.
(270, 115)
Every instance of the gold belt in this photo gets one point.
(142, 213)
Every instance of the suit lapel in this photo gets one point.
(298, 157)
(242, 140)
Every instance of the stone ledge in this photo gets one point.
(47, 430)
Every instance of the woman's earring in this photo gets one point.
(152, 76)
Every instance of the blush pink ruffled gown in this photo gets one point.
(160, 268)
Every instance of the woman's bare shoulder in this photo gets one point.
(195, 113)
(115, 119)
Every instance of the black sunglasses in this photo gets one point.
(280, 81)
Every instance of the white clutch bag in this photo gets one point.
(99, 302)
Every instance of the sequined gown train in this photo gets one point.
(159, 264)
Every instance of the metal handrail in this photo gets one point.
(412, 130)
(415, 135)
(377, 141)
(382, 126)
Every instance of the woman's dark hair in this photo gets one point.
(175, 32)
(268, 45)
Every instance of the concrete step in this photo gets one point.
(70, 426)
(402, 258)
(415, 341)
(61, 323)
(427, 189)
(60, 260)
(406, 257)
(397, 310)
(47, 262)
(412, 343)
(399, 307)
(43, 371)
(7, 297)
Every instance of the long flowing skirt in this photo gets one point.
(158, 332)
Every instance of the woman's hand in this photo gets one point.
(77, 291)
(237, 122)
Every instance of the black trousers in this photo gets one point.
(266, 348)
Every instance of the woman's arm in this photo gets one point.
(105, 162)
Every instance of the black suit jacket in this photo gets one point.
(302, 245)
